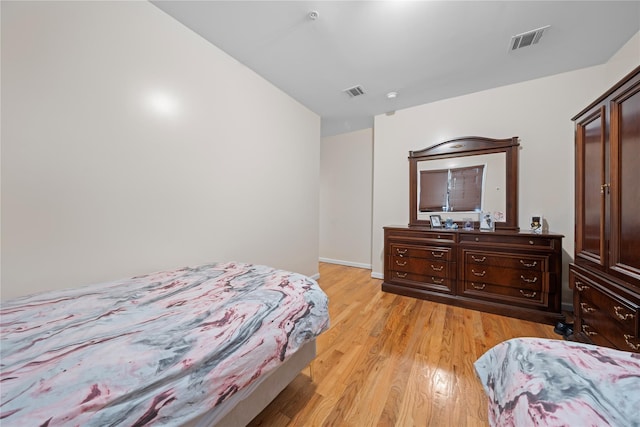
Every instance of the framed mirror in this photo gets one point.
(465, 179)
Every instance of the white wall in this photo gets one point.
(538, 111)
(130, 145)
(346, 177)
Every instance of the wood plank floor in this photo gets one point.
(389, 360)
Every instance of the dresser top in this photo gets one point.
(498, 232)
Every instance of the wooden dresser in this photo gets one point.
(605, 275)
(517, 274)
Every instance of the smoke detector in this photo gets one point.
(527, 39)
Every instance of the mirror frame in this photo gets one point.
(462, 147)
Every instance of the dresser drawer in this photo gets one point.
(524, 262)
(440, 236)
(424, 282)
(519, 295)
(426, 252)
(496, 240)
(420, 236)
(427, 267)
(511, 277)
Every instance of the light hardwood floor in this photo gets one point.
(389, 360)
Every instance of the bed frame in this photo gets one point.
(245, 405)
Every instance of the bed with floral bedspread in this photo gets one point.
(157, 349)
(545, 382)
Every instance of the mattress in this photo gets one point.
(157, 349)
(545, 382)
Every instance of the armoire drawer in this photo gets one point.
(602, 311)
(603, 330)
(593, 299)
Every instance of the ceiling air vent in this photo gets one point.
(527, 39)
(354, 91)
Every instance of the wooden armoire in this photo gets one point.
(605, 275)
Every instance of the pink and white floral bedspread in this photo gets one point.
(155, 349)
(544, 382)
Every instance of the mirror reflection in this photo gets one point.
(462, 187)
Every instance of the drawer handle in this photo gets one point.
(437, 254)
(478, 287)
(627, 339)
(434, 268)
(401, 264)
(585, 307)
(531, 242)
(580, 286)
(437, 280)
(587, 330)
(527, 280)
(478, 259)
(478, 274)
(531, 264)
(401, 251)
(622, 316)
(401, 275)
(526, 294)
(477, 239)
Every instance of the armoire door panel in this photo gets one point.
(591, 187)
(625, 185)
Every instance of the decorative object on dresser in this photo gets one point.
(605, 275)
(506, 271)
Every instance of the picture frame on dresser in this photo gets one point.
(436, 221)
(486, 221)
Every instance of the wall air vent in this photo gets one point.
(527, 39)
(354, 91)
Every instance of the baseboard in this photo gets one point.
(377, 275)
(315, 276)
(347, 263)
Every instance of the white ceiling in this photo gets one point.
(424, 50)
